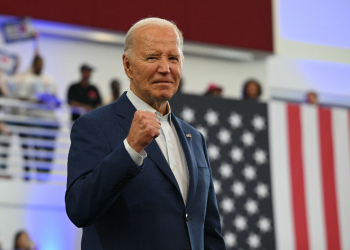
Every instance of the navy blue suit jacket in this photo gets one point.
(121, 206)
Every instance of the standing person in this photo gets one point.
(36, 87)
(138, 176)
(83, 94)
(115, 87)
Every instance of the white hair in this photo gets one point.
(150, 21)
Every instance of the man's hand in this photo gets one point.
(144, 128)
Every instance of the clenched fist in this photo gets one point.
(144, 128)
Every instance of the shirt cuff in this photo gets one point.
(137, 157)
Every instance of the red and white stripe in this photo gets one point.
(310, 162)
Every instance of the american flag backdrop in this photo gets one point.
(237, 139)
(281, 171)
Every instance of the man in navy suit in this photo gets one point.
(138, 176)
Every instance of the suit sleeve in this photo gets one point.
(96, 173)
(212, 226)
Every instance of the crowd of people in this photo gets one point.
(33, 86)
(251, 90)
(39, 91)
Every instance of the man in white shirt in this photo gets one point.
(139, 177)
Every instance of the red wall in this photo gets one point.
(246, 24)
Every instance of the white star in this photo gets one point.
(247, 138)
(258, 123)
(253, 241)
(260, 156)
(236, 154)
(249, 172)
(227, 205)
(264, 224)
(230, 239)
(212, 117)
(224, 136)
(240, 223)
(203, 130)
(213, 152)
(235, 120)
(217, 186)
(261, 190)
(187, 114)
(225, 170)
(251, 206)
(238, 188)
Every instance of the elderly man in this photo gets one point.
(139, 177)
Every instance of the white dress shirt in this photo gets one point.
(168, 142)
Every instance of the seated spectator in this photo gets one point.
(213, 90)
(311, 98)
(38, 147)
(23, 241)
(115, 87)
(83, 94)
(251, 90)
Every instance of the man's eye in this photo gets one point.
(151, 58)
(173, 58)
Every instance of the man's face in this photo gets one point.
(252, 90)
(85, 74)
(155, 66)
(38, 66)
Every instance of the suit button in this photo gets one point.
(187, 217)
(128, 175)
(117, 186)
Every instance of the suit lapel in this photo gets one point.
(186, 143)
(156, 155)
(126, 111)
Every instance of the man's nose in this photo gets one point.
(164, 67)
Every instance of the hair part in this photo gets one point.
(150, 21)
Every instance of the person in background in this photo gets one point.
(251, 90)
(115, 87)
(312, 98)
(40, 91)
(23, 241)
(83, 94)
(213, 90)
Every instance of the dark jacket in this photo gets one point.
(121, 206)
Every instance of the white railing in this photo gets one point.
(32, 144)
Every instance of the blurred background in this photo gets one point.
(278, 66)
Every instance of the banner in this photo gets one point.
(8, 62)
(18, 30)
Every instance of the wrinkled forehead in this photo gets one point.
(153, 36)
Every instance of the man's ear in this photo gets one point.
(127, 66)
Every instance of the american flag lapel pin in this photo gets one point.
(188, 135)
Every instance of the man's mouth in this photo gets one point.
(162, 81)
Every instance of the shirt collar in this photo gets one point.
(141, 105)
